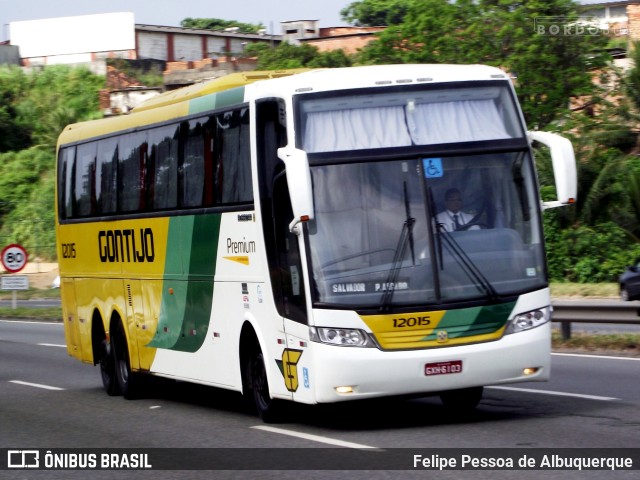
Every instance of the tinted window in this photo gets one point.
(84, 179)
(203, 162)
(163, 167)
(132, 152)
(65, 177)
(193, 165)
(106, 183)
(233, 172)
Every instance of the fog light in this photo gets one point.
(344, 389)
(530, 370)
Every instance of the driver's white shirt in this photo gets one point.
(447, 221)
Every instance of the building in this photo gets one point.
(9, 54)
(89, 38)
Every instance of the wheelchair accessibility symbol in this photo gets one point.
(432, 167)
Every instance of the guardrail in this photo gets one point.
(567, 312)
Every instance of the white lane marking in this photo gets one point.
(60, 324)
(637, 359)
(37, 385)
(313, 438)
(51, 345)
(559, 394)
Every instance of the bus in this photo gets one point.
(277, 234)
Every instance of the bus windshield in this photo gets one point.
(398, 225)
(383, 229)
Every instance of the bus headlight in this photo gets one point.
(343, 337)
(529, 320)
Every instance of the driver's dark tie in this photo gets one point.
(456, 223)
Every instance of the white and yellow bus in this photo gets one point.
(279, 234)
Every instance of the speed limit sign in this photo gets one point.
(14, 258)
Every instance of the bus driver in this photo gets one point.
(453, 218)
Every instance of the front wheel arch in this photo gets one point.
(255, 381)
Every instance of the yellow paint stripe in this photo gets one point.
(243, 259)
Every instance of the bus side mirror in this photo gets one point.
(564, 167)
(299, 182)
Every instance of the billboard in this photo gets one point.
(73, 35)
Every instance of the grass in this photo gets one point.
(618, 343)
(31, 294)
(48, 314)
(52, 314)
(585, 290)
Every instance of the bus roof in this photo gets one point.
(321, 80)
(227, 82)
(229, 90)
(169, 105)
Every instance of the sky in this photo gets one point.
(170, 12)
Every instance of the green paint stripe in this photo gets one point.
(226, 98)
(187, 290)
(199, 298)
(469, 322)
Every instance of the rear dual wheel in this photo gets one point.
(128, 381)
(108, 368)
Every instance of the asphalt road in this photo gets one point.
(50, 401)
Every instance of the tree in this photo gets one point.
(12, 135)
(32, 222)
(58, 96)
(375, 13)
(632, 83)
(36, 106)
(286, 55)
(19, 173)
(219, 24)
(550, 69)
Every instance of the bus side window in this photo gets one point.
(85, 180)
(66, 183)
(133, 153)
(106, 176)
(193, 165)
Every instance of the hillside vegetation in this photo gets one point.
(565, 84)
(34, 108)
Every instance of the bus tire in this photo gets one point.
(108, 368)
(128, 381)
(258, 385)
(463, 400)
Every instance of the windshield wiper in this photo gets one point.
(441, 234)
(472, 270)
(406, 238)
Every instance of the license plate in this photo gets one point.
(443, 368)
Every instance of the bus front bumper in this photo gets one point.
(346, 373)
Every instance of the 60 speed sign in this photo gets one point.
(14, 258)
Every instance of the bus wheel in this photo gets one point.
(268, 408)
(463, 400)
(128, 381)
(108, 369)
